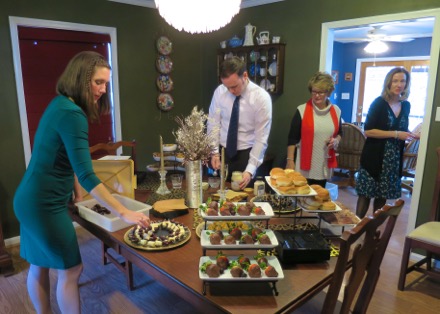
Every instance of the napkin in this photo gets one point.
(170, 208)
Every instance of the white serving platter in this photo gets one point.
(337, 209)
(110, 222)
(204, 241)
(264, 205)
(226, 276)
(311, 193)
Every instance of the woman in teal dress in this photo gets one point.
(386, 129)
(61, 151)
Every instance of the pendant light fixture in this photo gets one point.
(198, 16)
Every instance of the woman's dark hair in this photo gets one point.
(386, 92)
(75, 82)
(233, 65)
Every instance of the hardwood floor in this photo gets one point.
(103, 288)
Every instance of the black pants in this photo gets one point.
(319, 182)
(238, 163)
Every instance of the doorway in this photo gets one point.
(326, 55)
(15, 23)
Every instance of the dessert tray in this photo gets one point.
(311, 193)
(226, 276)
(280, 204)
(204, 241)
(163, 235)
(337, 209)
(344, 217)
(268, 213)
(223, 226)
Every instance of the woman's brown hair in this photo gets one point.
(75, 83)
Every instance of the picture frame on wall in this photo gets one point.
(335, 75)
(348, 76)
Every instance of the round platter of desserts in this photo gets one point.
(160, 235)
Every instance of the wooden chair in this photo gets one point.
(410, 162)
(425, 237)
(361, 252)
(350, 150)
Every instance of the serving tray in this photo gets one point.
(226, 276)
(204, 241)
(311, 193)
(265, 206)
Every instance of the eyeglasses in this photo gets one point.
(316, 93)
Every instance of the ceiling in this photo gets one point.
(399, 31)
(150, 3)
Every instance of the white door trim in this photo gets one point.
(326, 65)
(14, 22)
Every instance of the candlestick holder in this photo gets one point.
(222, 195)
(163, 189)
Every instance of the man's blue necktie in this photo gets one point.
(231, 141)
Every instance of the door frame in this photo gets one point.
(14, 22)
(326, 55)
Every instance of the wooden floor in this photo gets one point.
(103, 288)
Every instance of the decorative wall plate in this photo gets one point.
(165, 102)
(164, 45)
(164, 64)
(164, 83)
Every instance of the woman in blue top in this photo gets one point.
(61, 150)
(386, 129)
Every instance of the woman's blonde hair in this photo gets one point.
(75, 82)
(386, 91)
(322, 81)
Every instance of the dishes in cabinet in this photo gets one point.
(268, 213)
(254, 55)
(164, 45)
(272, 69)
(164, 64)
(254, 69)
(164, 83)
(165, 102)
(206, 243)
(226, 275)
(265, 83)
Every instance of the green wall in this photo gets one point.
(194, 56)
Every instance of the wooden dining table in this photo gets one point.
(178, 270)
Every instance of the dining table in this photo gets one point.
(178, 270)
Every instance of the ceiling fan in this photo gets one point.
(375, 33)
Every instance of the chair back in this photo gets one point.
(361, 251)
(350, 147)
(99, 150)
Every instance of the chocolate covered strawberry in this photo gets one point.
(270, 271)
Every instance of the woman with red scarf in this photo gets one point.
(315, 132)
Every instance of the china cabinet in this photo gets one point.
(264, 63)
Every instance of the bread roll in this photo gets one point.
(276, 170)
(284, 181)
(304, 189)
(287, 190)
(300, 181)
(287, 171)
(328, 206)
(316, 187)
(324, 194)
(312, 201)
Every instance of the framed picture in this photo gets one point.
(348, 76)
(335, 75)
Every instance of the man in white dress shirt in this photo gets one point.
(254, 122)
